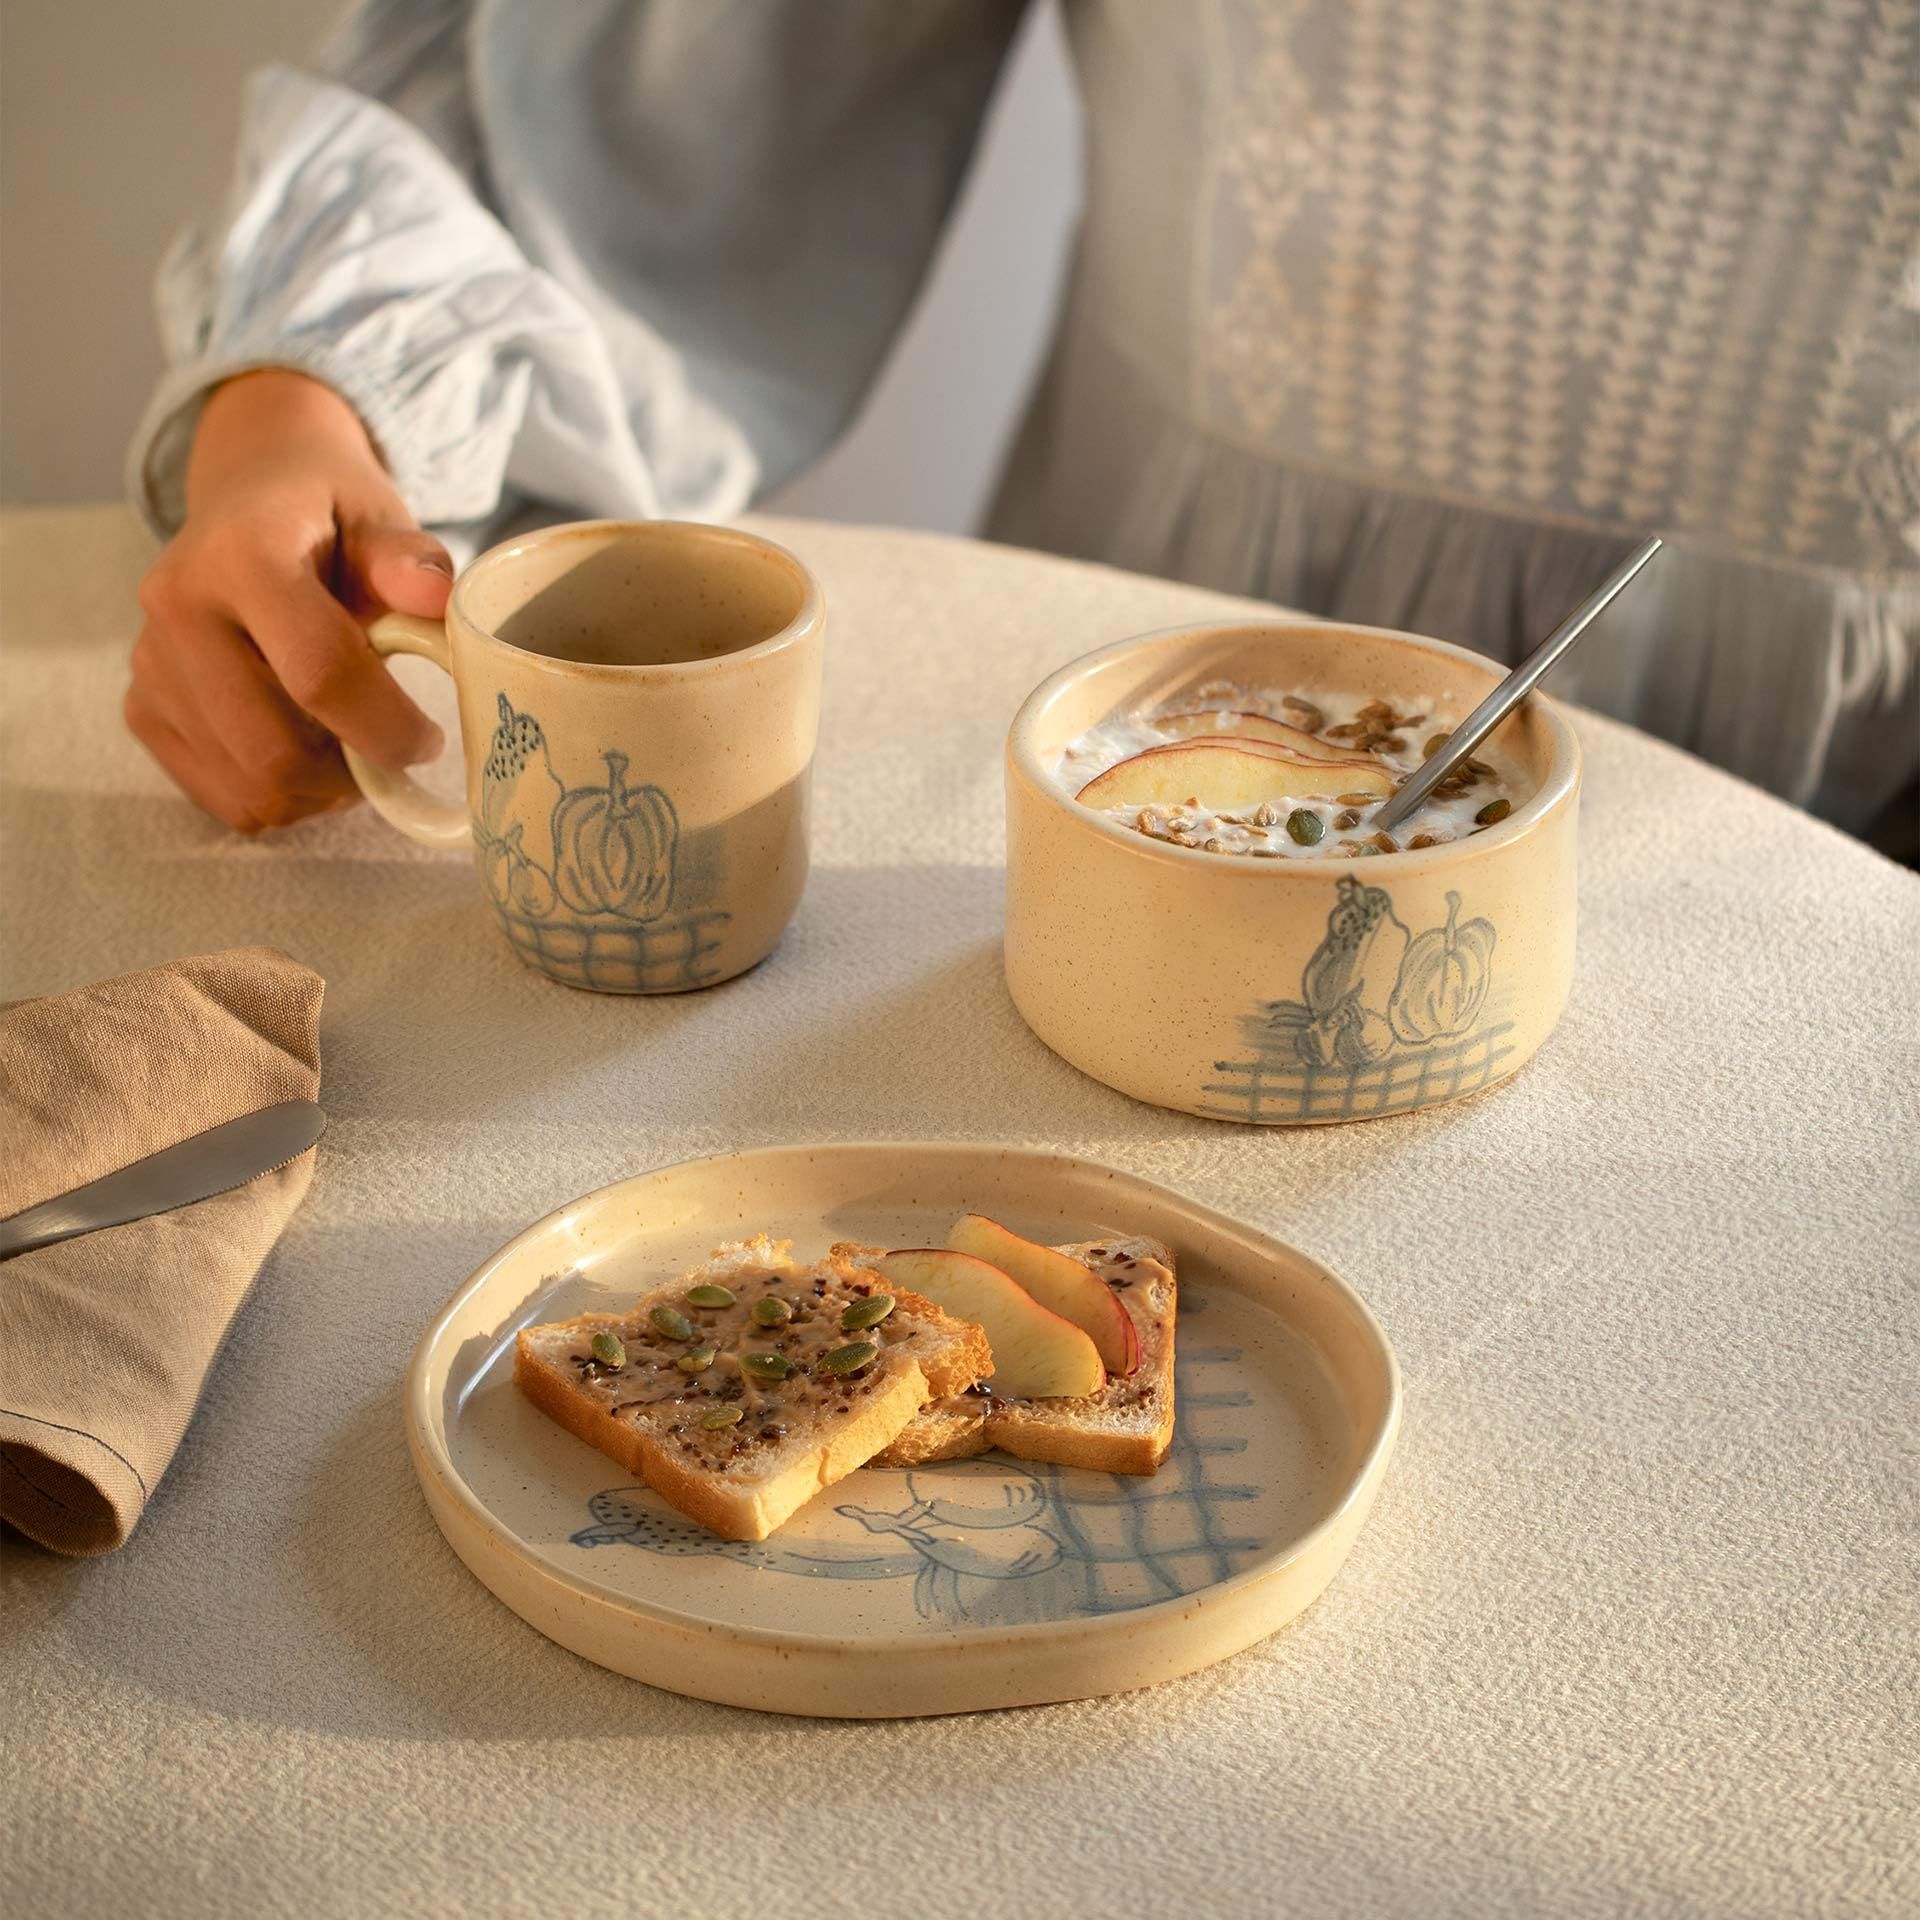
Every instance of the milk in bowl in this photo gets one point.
(1271, 774)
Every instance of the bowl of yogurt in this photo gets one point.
(1202, 912)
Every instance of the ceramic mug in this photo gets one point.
(638, 703)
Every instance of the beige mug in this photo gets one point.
(639, 702)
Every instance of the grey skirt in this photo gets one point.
(1803, 681)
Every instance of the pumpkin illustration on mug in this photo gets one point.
(614, 846)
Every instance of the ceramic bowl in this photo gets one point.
(1287, 992)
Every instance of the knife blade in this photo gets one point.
(216, 1161)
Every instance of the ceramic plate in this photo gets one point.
(982, 1583)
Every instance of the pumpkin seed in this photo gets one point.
(771, 1311)
(1357, 799)
(850, 1358)
(1305, 827)
(708, 1295)
(866, 1313)
(722, 1417)
(609, 1349)
(676, 1326)
(1434, 742)
(766, 1366)
(697, 1359)
(1494, 810)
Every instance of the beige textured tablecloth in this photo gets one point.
(1632, 1629)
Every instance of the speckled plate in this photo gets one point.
(981, 1583)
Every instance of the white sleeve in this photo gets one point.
(626, 257)
(353, 250)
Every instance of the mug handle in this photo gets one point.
(398, 798)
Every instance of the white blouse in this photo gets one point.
(1411, 312)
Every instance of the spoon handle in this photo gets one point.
(1511, 691)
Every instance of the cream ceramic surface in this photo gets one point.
(638, 808)
(970, 1584)
(1287, 992)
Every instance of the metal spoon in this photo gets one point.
(1509, 693)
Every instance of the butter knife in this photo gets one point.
(217, 1161)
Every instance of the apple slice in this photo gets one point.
(1231, 775)
(1036, 1354)
(1230, 724)
(1060, 1283)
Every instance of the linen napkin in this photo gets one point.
(106, 1340)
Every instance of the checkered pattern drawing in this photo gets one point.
(584, 878)
(1388, 1021)
(1133, 1539)
(1277, 1086)
(613, 956)
(998, 1541)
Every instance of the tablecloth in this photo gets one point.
(1632, 1629)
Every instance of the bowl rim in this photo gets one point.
(1558, 785)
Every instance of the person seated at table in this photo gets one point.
(1417, 314)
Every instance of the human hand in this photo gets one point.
(253, 664)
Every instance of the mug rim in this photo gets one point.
(1559, 779)
(802, 626)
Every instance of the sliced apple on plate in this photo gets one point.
(1231, 724)
(1060, 1283)
(1230, 775)
(1036, 1354)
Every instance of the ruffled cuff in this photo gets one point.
(156, 464)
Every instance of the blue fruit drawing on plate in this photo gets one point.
(1003, 1541)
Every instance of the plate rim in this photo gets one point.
(428, 1452)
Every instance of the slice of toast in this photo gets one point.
(794, 1435)
(1126, 1427)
